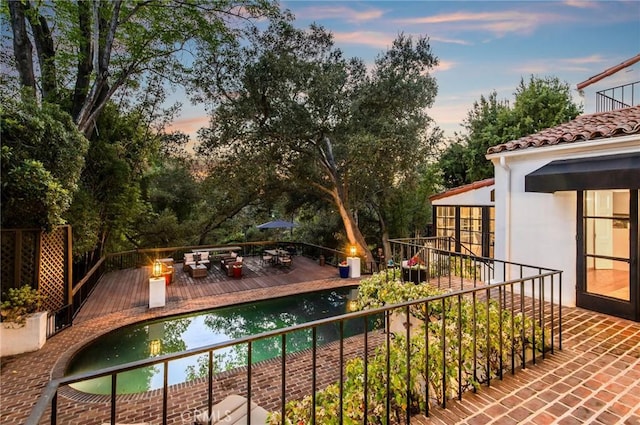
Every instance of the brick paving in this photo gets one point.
(594, 379)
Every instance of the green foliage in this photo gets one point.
(42, 156)
(138, 41)
(109, 203)
(491, 337)
(295, 115)
(453, 165)
(18, 303)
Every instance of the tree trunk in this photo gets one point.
(353, 232)
(22, 49)
(46, 53)
(85, 66)
(386, 246)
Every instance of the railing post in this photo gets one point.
(408, 377)
(249, 370)
(283, 379)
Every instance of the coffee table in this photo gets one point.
(197, 270)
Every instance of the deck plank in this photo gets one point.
(125, 289)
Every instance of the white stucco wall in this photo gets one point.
(539, 229)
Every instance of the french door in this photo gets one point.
(607, 260)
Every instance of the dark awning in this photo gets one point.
(602, 172)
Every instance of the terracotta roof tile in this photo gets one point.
(461, 189)
(621, 122)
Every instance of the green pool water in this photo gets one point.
(179, 333)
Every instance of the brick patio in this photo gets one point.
(594, 379)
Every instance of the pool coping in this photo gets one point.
(143, 314)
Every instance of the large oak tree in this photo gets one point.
(86, 52)
(289, 105)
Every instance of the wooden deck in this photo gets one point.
(126, 289)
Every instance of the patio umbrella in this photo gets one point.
(277, 224)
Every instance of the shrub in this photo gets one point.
(18, 303)
(464, 341)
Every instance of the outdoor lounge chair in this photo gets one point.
(188, 261)
(267, 259)
(232, 410)
(204, 259)
(285, 261)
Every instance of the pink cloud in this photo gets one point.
(346, 13)
(368, 38)
(189, 125)
(582, 4)
(444, 65)
(499, 23)
(552, 66)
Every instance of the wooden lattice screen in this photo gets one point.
(39, 259)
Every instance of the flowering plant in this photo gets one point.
(343, 263)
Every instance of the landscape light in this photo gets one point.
(157, 269)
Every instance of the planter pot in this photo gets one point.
(344, 271)
(18, 339)
(237, 272)
(414, 275)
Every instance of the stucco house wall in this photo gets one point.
(540, 228)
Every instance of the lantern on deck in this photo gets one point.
(157, 269)
(352, 250)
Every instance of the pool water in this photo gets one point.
(178, 333)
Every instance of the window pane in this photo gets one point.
(611, 282)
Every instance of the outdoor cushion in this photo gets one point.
(233, 410)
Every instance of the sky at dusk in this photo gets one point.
(481, 45)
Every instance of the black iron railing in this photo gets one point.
(619, 97)
(502, 321)
(145, 257)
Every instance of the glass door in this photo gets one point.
(608, 252)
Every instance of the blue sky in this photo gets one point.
(482, 45)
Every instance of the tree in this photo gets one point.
(88, 51)
(486, 124)
(42, 157)
(541, 103)
(295, 110)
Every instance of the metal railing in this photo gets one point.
(619, 97)
(506, 322)
(144, 257)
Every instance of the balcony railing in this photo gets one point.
(142, 257)
(502, 318)
(619, 97)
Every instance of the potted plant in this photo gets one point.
(343, 267)
(24, 324)
(414, 270)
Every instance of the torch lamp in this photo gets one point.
(157, 269)
(352, 250)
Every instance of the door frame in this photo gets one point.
(607, 305)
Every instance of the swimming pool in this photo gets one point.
(178, 333)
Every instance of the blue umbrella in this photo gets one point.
(277, 224)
